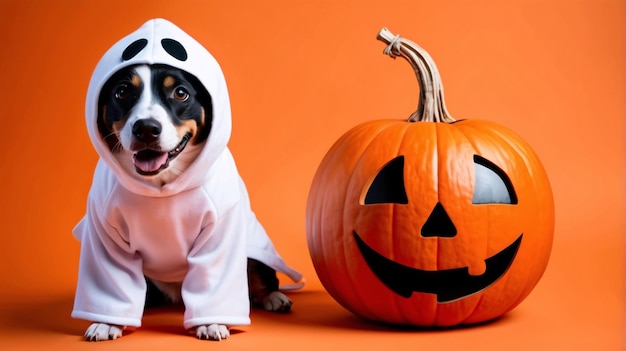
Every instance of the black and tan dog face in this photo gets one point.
(150, 116)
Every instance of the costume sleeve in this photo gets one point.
(111, 287)
(215, 289)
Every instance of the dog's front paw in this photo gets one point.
(277, 302)
(103, 331)
(212, 332)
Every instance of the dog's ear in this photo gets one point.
(205, 100)
(111, 112)
(104, 127)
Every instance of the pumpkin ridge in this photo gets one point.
(463, 129)
(436, 154)
(319, 206)
(351, 179)
(394, 242)
(321, 180)
(463, 132)
(473, 310)
(393, 213)
(492, 134)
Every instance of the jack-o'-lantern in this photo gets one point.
(430, 221)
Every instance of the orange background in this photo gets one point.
(300, 75)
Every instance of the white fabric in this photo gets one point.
(197, 230)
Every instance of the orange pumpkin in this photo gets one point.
(430, 221)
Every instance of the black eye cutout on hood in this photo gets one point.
(171, 46)
(134, 48)
(174, 48)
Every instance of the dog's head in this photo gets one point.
(154, 119)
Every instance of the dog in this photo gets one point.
(154, 149)
(152, 228)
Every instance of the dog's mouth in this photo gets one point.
(150, 162)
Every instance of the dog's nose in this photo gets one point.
(147, 130)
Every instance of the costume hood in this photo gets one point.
(159, 41)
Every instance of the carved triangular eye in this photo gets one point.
(388, 185)
(492, 185)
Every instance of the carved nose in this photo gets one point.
(439, 224)
(147, 130)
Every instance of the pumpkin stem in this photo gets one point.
(431, 106)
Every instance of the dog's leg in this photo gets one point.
(103, 331)
(276, 301)
(160, 293)
(263, 286)
(154, 296)
(212, 332)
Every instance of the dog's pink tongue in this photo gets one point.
(150, 164)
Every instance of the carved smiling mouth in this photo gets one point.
(449, 284)
(150, 162)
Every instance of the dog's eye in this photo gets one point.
(181, 94)
(123, 92)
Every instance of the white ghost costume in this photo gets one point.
(197, 230)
